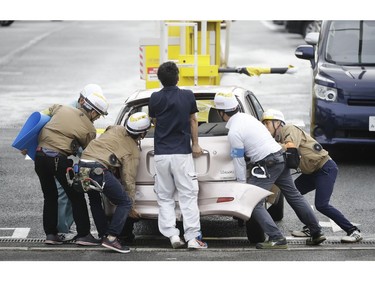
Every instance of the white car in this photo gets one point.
(219, 192)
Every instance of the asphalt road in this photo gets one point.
(44, 62)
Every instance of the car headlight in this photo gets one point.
(324, 92)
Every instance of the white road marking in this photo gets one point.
(332, 224)
(19, 232)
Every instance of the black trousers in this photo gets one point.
(48, 168)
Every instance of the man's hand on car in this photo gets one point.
(197, 150)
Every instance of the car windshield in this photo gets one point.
(351, 43)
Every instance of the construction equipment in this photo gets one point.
(196, 47)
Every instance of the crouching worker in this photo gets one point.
(318, 172)
(116, 148)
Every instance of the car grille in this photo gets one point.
(357, 102)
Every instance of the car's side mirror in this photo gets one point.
(306, 52)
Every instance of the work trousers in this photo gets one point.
(115, 192)
(323, 181)
(175, 174)
(48, 168)
(280, 175)
(65, 210)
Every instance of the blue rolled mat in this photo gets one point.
(27, 138)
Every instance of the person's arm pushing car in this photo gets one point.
(197, 150)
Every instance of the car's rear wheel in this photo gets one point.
(254, 232)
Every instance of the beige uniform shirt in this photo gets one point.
(313, 156)
(66, 124)
(115, 140)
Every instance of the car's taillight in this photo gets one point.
(224, 199)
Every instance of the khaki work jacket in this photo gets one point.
(116, 141)
(67, 124)
(313, 156)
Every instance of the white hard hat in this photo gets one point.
(98, 102)
(89, 89)
(226, 101)
(273, 114)
(138, 123)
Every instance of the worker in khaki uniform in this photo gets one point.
(68, 129)
(116, 148)
(318, 170)
(65, 210)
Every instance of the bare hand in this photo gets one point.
(197, 150)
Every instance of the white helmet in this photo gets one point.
(89, 89)
(273, 114)
(226, 102)
(98, 102)
(138, 123)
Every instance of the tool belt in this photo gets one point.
(79, 177)
(42, 151)
(259, 169)
(272, 159)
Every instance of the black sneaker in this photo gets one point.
(53, 239)
(115, 245)
(88, 240)
(273, 244)
(316, 239)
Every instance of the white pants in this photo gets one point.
(176, 172)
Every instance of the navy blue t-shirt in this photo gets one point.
(172, 107)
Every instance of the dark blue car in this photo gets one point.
(342, 56)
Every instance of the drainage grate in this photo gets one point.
(24, 240)
(157, 241)
(332, 241)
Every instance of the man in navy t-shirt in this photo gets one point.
(173, 111)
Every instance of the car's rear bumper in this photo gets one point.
(215, 198)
